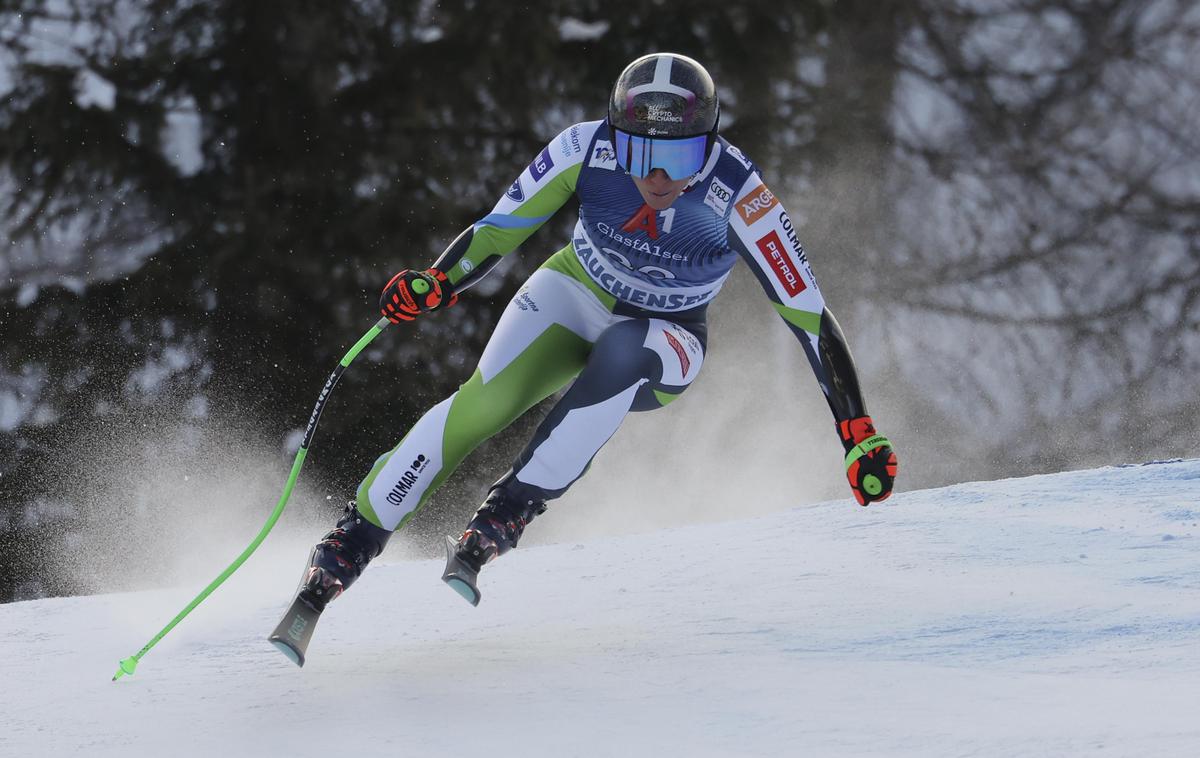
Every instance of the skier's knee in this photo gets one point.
(622, 352)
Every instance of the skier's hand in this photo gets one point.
(870, 461)
(411, 293)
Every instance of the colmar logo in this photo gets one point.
(402, 487)
(684, 362)
(781, 263)
(797, 248)
(756, 203)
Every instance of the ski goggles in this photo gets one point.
(680, 157)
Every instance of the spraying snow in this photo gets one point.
(1051, 615)
(157, 501)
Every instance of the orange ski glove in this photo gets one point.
(870, 461)
(411, 293)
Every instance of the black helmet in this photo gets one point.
(663, 113)
(664, 95)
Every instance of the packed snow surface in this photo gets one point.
(1051, 615)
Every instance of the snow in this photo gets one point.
(577, 30)
(94, 91)
(182, 138)
(1051, 615)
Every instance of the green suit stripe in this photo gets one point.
(664, 397)
(479, 410)
(547, 200)
(567, 263)
(491, 241)
(809, 322)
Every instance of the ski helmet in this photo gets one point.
(663, 113)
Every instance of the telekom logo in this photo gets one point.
(781, 263)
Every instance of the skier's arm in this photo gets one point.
(540, 190)
(763, 234)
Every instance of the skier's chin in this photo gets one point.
(659, 191)
(659, 201)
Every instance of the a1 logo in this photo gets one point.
(645, 220)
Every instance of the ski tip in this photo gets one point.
(290, 652)
(469, 593)
(460, 578)
(127, 666)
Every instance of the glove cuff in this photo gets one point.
(854, 430)
(442, 287)
(864, 447)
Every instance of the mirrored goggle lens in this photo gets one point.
(680, 158)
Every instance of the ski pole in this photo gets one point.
(129, 665)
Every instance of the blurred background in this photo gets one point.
(200, 201)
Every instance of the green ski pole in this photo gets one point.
(129, 665)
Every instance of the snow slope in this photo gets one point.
(1052, 615)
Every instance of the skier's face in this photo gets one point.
(658, 189)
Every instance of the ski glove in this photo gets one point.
(870, 461)
(411, 293)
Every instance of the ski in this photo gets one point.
(295, 630)
(461, 577)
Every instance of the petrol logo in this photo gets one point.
(781, 263)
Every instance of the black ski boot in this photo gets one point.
(335, 562)
(340, 557)
(495, 529)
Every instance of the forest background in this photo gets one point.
(200, 201)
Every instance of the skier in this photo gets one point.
(667, 206)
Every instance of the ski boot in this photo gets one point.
(335, 562)
(493, 531)
(340, 557)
